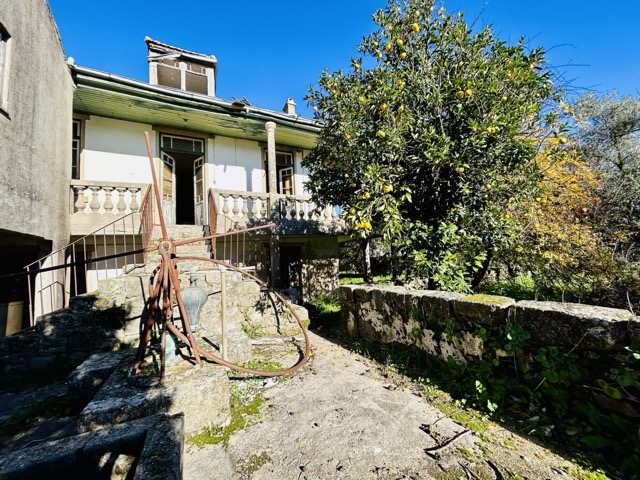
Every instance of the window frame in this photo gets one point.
(76, 148)
(5, 57)
(281, 166)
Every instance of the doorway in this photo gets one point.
(183, 180)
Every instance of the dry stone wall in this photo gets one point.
(582, 353)
(448, 324)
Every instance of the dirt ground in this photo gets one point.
(344, 417)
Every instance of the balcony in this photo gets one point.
(96, 203)
(292, 214)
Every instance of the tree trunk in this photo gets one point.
(366, 257)
(480, 274)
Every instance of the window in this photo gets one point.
(174, 143)
(4, 66)
(284, 171)
(76, 148)
(195, 79)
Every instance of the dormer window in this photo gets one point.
(177, 68)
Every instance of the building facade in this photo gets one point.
(220, 163)
(36, 91)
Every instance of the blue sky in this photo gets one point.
(268, 51)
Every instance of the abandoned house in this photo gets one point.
(222, 165)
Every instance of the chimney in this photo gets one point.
(289, 107)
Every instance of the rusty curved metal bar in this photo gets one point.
(165, 283)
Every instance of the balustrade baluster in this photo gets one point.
(94, 204)
(79, 192)
(245, 210)
(134, 199)
(108, 204)
(225, 203)
(121, 206)
(254, 208)
(235, 210)
(263, 208)
(301, 211)
(327, 214)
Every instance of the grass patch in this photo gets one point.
(266, 365)
(351, 279)
(245, 411)
(583, 474)
(252, 331)
(324, 312)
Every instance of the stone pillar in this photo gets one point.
(273, 199)
(271, 157)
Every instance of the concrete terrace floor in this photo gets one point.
(343, 417)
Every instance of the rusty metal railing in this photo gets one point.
(52, 280)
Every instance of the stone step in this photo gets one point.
(191, 249)
(178, 232)
(201, 393)
(184, 266)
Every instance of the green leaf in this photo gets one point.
(595, 441)
(613, 392)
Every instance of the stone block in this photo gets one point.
(201, 393)
(584, 327)
(345, 293)
(85, 381)
(44, 460)
(161, 457)
(362, 294)
(483, 309)
(434, 304)
(25, 341)
(156, 442)
(349, 320)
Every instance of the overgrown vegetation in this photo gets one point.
(532, 389)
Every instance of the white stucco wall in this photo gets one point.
(115, 151)
(237, 165)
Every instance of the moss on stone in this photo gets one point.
(253, 463)
(486, 299)
(244, 412)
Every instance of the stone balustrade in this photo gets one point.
(105, 198)
(290, 212)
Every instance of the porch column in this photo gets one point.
(271, 157)
(273, 189)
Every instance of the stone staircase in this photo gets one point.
(177, 233)
(115, 408)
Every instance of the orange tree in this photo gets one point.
(429, 138)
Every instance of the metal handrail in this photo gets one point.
(56, 290)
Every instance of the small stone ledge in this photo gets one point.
(584, 327)
(161, 456)
(85, 381)
(202, 393)
(634, 331)
(487, 310)
(156, 442)
(433, 303)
